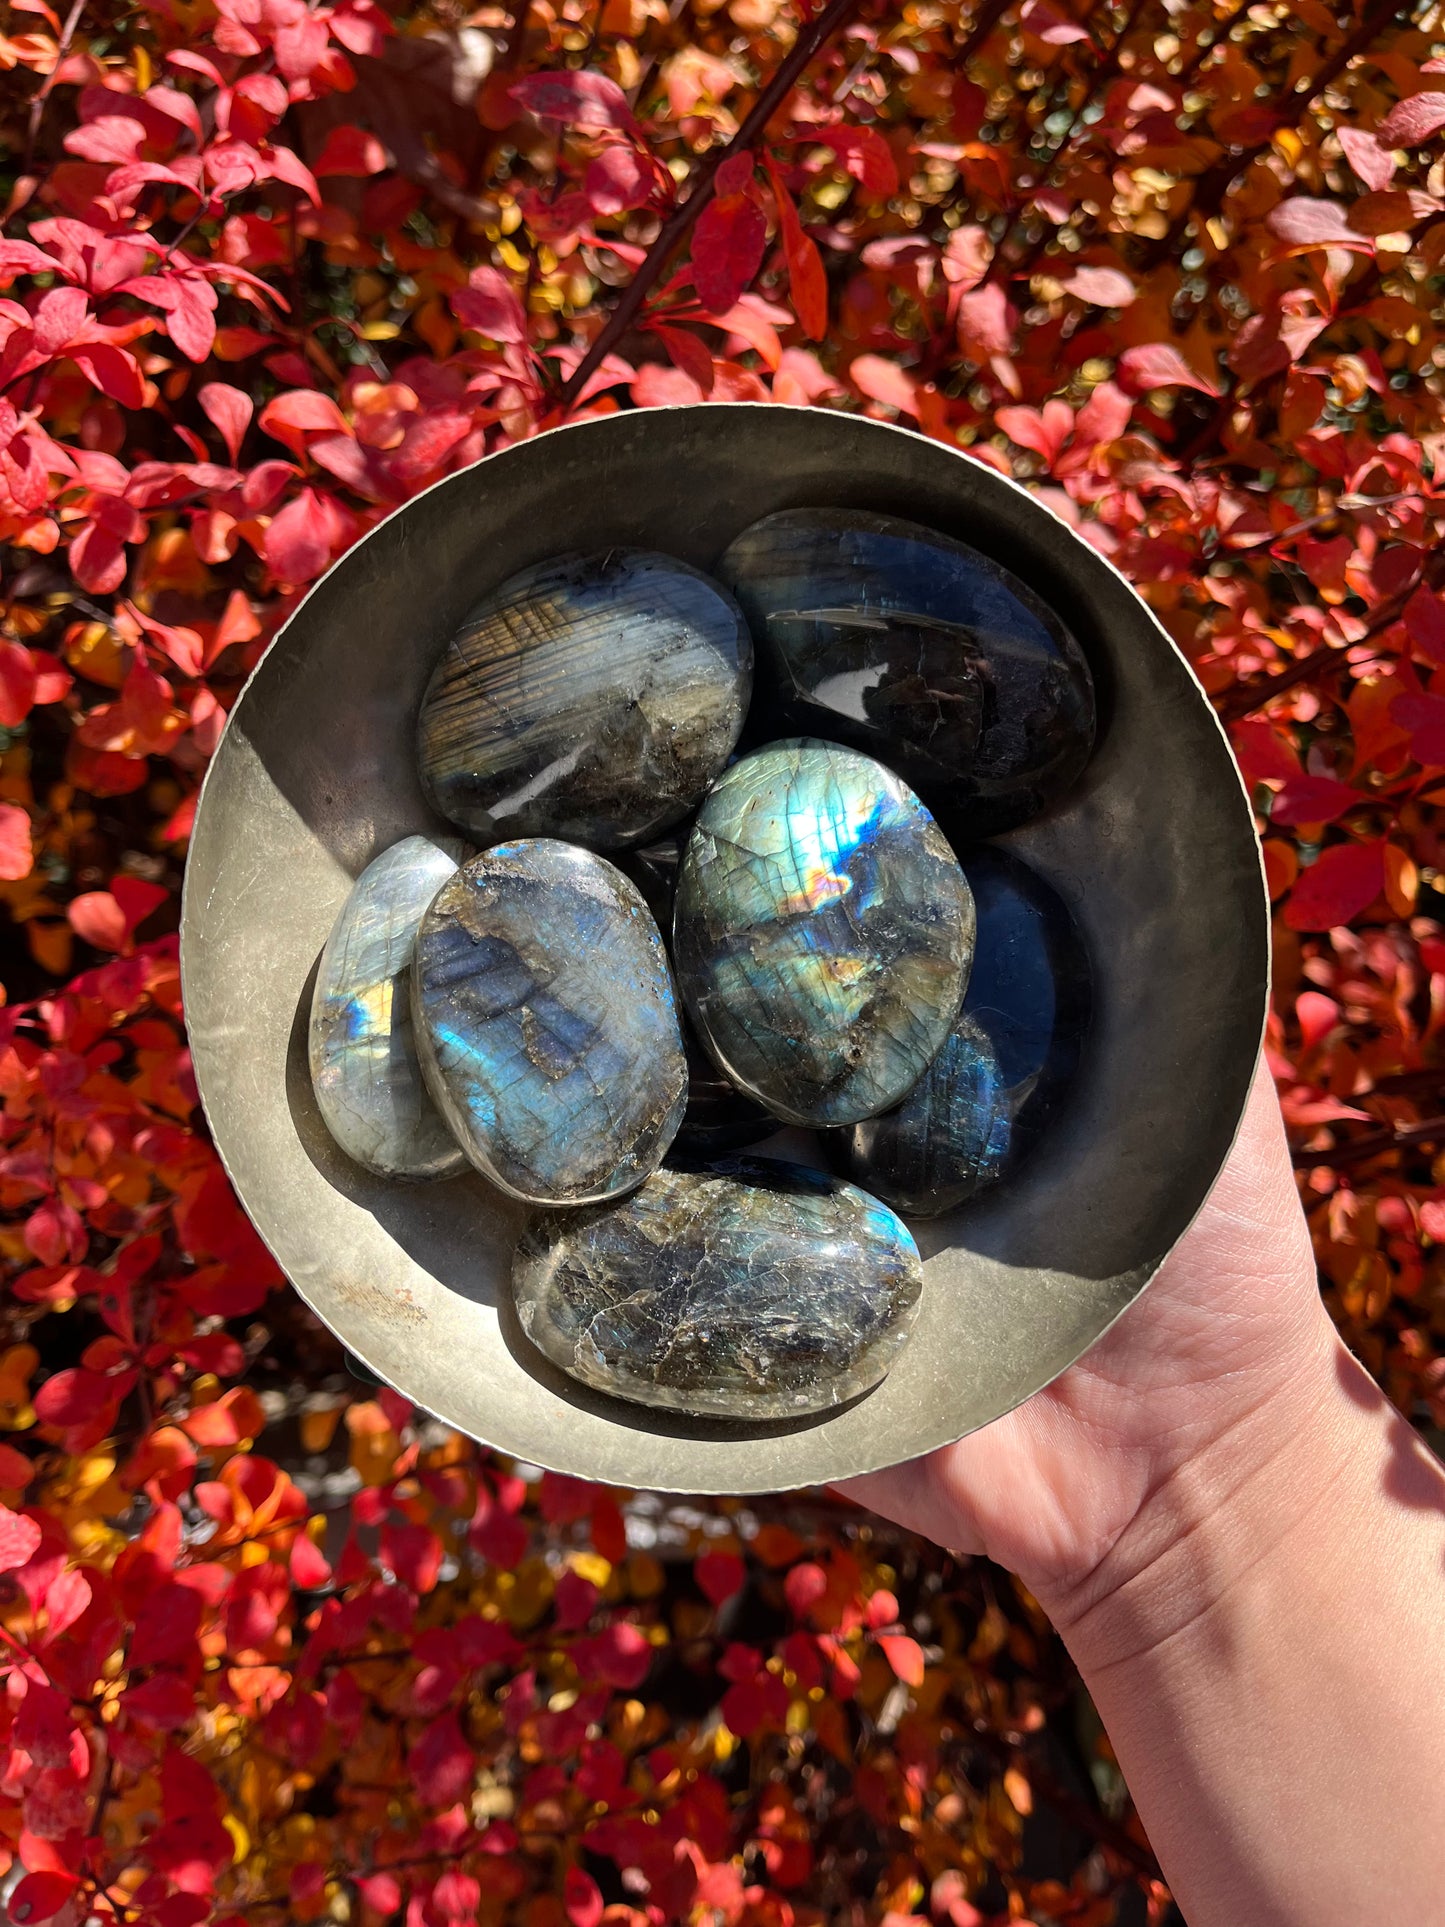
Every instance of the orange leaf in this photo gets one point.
(807, 281)
(904, 1655)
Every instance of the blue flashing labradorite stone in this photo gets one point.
(822, 932)
(750, 1290)
(364, 1066)
(989, 1093)
(546, 1024)
(921, 651)
(592, 697)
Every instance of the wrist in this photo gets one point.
(1206, 1521)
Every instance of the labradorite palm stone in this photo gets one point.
(546, 1025)
(822, 933)
(988, 1095)
(750, 1290)
(592, 697)
(921, 651)
(364, 1066)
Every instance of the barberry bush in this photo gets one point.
(274, 1646)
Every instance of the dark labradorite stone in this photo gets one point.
(718, 1117)
(749, 1290)
(822, 933)
(921, 651)
(592, 696)
(987, 1096)
(364, 1067)
(546, 1024)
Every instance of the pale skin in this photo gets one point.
(1243, 1546)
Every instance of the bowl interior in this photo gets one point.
(1154, 853)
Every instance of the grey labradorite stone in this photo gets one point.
(749, 1290)
(987, 1096)
(364, 1065)
(591, 696)
(546, 1025)
(823, 932)
(920, 650)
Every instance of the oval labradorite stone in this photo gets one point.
(546, 1025)
(921, 651)
(822, 934)
(986, 1098)
(364, 1066)
(591, 696)
(750, 1290)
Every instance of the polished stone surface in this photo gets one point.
(987, 1097)
(719, 1117)
(822, 932)
(921, 651)
(591, 697)
(546, 1024)
(364, 1066)
(750, 1290)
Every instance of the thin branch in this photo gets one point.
(1211, 38)
(680, 222)
(42, 92)
(1374, 1144)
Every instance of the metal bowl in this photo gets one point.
(1154, 852)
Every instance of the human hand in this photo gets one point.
(1200, 1384)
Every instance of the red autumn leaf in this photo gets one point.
(727, 250)
(17, 684)
(40, 1896)
(1043, 430)
(166, 1632)
(804, 1586)
(720, 1575)
(1373, 163)
(230, 410)
(582, 1898)
(1313, 799)
(16, 1470)
(1412, 120)
(114, 372)
(310, 1569)
(885, 381)
(621, 178)
(1424, 618)
(1159, 364)
(19, 1537)
(350, 153)
(161, 1704)
(490, 304)
(413, 1553)
(17, 855)
(1302, 223)
(904, 1655)
(865, 155)
(620, 1656)
(1103, 287)
(807, 281)
(1424, 718)
(98, 919)
(587, 100)
(686, 352)
(1051, 26)
(441, 1764)
(298, 541)
(1344, 880)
